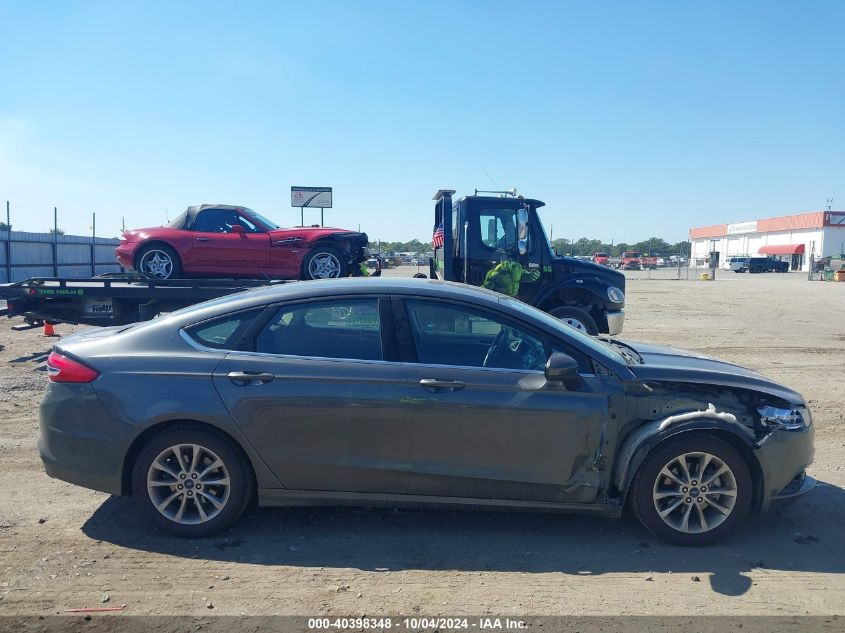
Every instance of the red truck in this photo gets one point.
(630, 261)
(601, 258)
(649, 262)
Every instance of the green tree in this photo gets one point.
(5, 227)
(57, 231)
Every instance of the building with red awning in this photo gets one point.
(792, 238)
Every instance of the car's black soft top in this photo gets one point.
(185, 220)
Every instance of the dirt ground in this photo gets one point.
(63, 547)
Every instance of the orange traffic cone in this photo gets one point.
(48, 329)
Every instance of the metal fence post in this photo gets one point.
(8, 245)
(55, 242)
(93, 244)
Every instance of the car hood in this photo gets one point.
(675, 365)
(135, 235)
(565, 267)
(311, 233)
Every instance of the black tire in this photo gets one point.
(577, 318)
(175, 270)
(335, 265)
(234, 465)
(646, 479)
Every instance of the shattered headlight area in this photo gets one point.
(794, 419)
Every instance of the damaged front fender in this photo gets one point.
(639, 442)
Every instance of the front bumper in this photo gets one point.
(615, 321)
(799, 486)
(784, 457)
(125, 254)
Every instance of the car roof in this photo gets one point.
(327, 288)
(371, 285)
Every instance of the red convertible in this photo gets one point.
(216, 240)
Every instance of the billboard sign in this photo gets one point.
(314, 197)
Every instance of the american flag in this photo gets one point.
(437, 238)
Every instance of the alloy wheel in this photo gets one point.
(156, 263)
(188, 484)
(694, 492)
(324, 266)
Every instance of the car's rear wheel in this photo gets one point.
(158, 261)
(190, 482)
(576, 318)
(692, 490)
(324, 262)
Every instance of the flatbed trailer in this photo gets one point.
(114, 299)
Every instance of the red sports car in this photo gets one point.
(216, 240)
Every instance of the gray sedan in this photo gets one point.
(409, 392)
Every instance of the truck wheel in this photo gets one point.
(576, 318)
(158, 261)
(692, 490)
(324, 262)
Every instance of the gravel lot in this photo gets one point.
(65, 547)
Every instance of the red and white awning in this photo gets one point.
(782, 249)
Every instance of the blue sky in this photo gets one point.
(628, 119)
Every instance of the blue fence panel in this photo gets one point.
(74, 253)
(24, 255)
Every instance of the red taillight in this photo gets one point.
(60, 368)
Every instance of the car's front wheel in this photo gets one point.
(190, 482)
(158, 261)
(692, 490)
(324, 262)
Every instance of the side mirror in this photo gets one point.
(561, 367)
(237, 228)
(522, 230)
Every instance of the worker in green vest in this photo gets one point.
(506, 276)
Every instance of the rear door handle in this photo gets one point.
(246, 378)
(435, 385)
(203, 239)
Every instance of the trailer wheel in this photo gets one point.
(158, 261)
(576, 318)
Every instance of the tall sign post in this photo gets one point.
(312, 197)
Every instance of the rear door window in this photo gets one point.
(346, 328)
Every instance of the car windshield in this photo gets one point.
(179, 221)
(268, 223)
(599, 347)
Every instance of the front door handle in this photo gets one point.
(246, 378)
(435, 385)
(203, 239)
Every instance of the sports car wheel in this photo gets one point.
(159, 262)
(324, 263)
